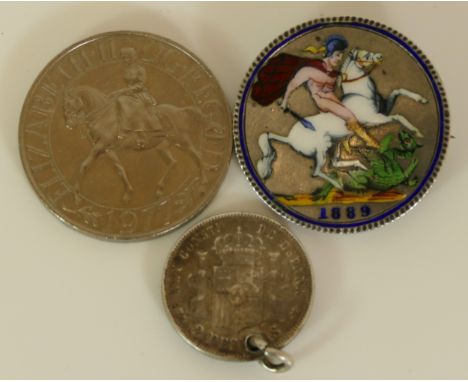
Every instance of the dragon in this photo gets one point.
(384, 171)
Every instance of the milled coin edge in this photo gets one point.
(116, 237)
(445, 117)
(294, 331)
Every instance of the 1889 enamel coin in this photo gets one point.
(341, 124)
(125, 135)
(238, 286)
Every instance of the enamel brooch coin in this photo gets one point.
(341, 124)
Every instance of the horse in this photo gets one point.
(102, 122)
(313, 136)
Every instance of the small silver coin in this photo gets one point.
(238, 286)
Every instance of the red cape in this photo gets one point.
(273, 78)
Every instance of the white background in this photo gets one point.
(390, 303)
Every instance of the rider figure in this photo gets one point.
(135, 77)
(320, 77)
(134, 102)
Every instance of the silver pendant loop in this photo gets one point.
(274, 360)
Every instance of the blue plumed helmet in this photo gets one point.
(335, 43)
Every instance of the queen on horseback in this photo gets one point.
(134, 103)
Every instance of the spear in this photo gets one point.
(307, 124)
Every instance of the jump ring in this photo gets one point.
(256, 345)
(276, 361)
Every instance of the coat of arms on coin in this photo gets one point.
(125, 135)
(341, 124)
(238, 286)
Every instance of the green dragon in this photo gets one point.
(384, 171)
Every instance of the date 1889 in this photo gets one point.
(350, 212)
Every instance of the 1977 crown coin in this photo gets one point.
(125, 135)
(238, 286)
(341, 124)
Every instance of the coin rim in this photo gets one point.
(109, 236)
(295, 329)
(377, 220)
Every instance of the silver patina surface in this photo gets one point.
(125, 135)
(238, 279)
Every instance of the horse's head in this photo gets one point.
(73, 109)
(366, 59)
(79, 102)
(360, 61)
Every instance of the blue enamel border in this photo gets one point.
(252, 170)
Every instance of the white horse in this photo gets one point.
(360, 95)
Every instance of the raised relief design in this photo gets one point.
(198, 282)
(125, 135)
(226, 281)
(237, 282)
(132, 119)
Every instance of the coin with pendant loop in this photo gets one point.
(341, 124)
(238, 286)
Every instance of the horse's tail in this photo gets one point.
(264, 165)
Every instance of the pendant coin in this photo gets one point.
(238, 286)
(341, 124)
(125, 136)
